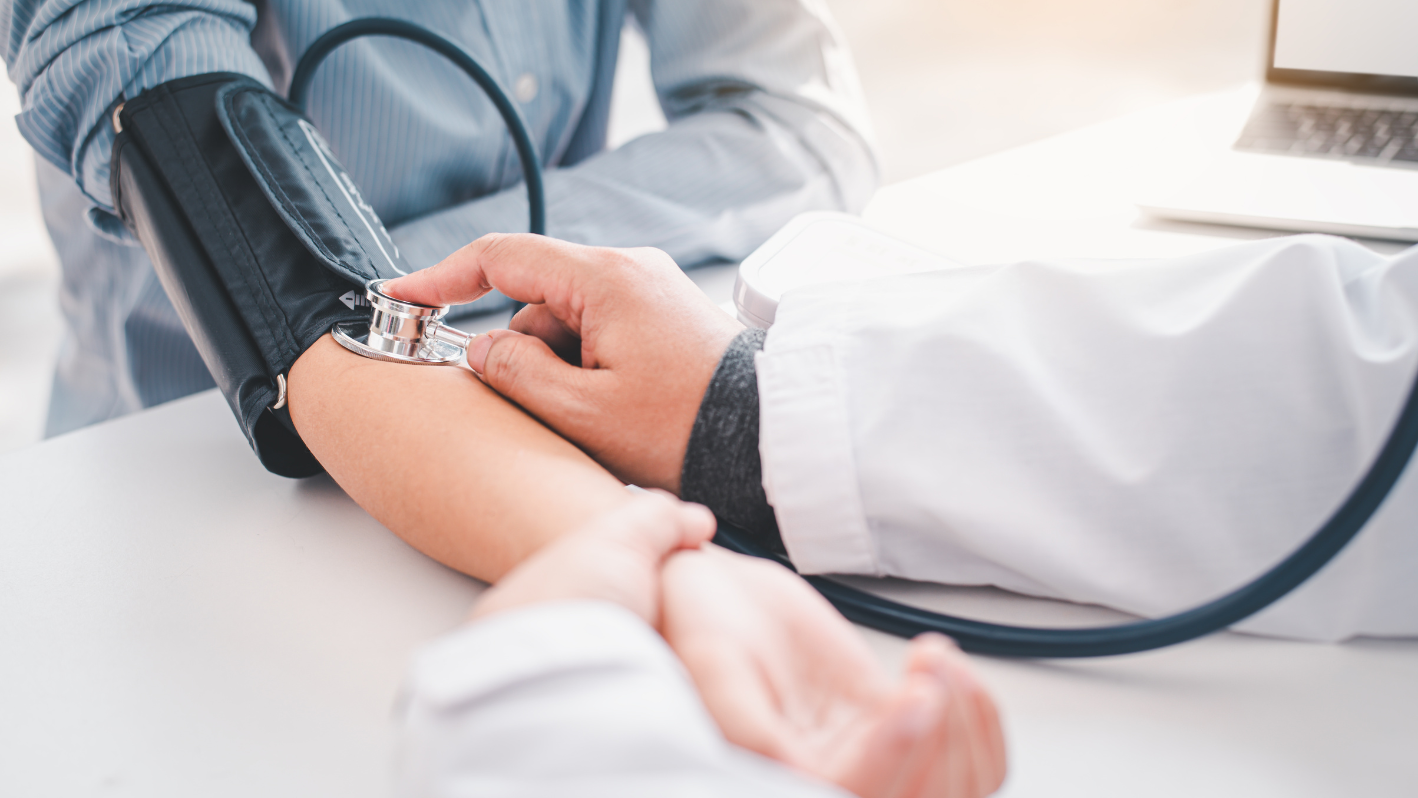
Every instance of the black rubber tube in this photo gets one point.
(1021, 641)
(398, 28)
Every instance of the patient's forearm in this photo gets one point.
(442, 460)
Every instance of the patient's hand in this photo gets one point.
(779, 670)
(786, 676)
(619, 345)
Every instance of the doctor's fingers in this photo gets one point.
(451, 281)
(654, 525)
(472, 271)
(573, 401)
(538, 321)
(636, 433)
(616, 557)
(524, 368)
(565, 277)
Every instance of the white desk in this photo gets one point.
(176, 622)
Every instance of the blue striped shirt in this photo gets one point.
(765, 121)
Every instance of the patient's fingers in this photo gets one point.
(987, 732)
(936, 753)
(725, 640)
(968, 759)
(975, 724)
(893, 750)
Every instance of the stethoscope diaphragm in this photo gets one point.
(403, 332)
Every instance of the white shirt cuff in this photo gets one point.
(809, 473)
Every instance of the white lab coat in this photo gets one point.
(570, 700)
(1141, 435)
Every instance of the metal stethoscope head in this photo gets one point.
(404, 332)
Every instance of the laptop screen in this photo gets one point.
(1366, 45)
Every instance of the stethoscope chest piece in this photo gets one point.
(403, 332)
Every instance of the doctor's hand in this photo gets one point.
(617, 557)
(786, 676)
(614, 350)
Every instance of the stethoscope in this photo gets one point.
(405, 332)
(399, 331)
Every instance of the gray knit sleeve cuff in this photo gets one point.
(722, 469)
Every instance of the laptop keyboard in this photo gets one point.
(1326, 131)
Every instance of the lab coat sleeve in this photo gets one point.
(569, 699)
(72, 59)
(766, 120)
(1142, 435)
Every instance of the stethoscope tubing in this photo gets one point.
(398, 28)
(1058, 643)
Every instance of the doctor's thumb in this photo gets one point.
(524, 369)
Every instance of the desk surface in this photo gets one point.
(174, 621)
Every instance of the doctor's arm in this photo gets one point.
(766, 120)
(1184, 423)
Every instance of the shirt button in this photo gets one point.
(526, 87)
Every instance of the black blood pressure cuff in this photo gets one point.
(260, 238)
(722, 467)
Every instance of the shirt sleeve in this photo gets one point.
(722, 469)
(569, 698)
(766, 121)
(1145, 436)
(73, 59)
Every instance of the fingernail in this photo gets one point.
(477, 352)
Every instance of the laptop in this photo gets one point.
(1331, 145)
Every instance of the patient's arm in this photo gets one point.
(472, 481)
(451, 467)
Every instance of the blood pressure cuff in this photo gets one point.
(260, 238)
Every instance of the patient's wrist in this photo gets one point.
(722, 469)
